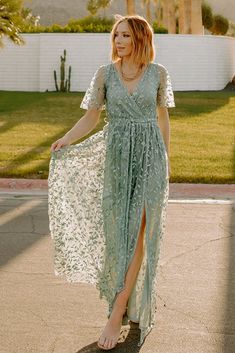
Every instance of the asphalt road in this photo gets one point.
(41, 313)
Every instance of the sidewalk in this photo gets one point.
(41, 313)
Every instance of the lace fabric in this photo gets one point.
(98, 188)
(165, 95)
(95, 94)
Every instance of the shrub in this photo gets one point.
(220, 25)
(88, 24)
(73, 27)
(207, 15)
(56, 28)
(159, 29)
(91, 24)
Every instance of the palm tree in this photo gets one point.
(184, 16)
(147, 4)
(166, 14)
(190, 17)
(104, 4)
(158, 11)
(130, 6)
(10, 21)
(196, 17)
(171, 16)
(94, 5)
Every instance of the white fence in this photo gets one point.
(194, 62)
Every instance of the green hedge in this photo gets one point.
(217, 24)
(207, 15)
(87, 24)
(220, 25)
(159, 29)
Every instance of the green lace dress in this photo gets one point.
(98, 188)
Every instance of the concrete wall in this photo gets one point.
(194, 62)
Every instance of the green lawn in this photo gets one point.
(202, 133)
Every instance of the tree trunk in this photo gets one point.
(190, 17)
(171, 17)
(158, 11)
(165, 14)
(196, 20)
(130, 5)
(148, 11)
(181, 15)
(184, 16)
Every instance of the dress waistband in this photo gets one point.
(132, 121)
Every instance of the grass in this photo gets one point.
(202, 148)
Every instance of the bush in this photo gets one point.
(220, 25)
(159, 29)
(91, 24)
(207, 15)
(95, 20)
(32, 29)
(56, 28)
(88, 24)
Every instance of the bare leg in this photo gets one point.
(112, 329)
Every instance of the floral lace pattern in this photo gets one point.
(98, 189)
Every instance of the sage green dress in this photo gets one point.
(99, 187)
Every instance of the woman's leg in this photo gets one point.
(113, 326)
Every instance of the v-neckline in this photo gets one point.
(138, 83)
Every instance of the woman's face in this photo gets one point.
(122, 40)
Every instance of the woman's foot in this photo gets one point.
(110, 335)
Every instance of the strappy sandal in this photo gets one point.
(115, 340)
(108, 349)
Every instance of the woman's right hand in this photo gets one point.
(63, 141)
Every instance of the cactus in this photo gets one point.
(64, 83)
(69, 82)
(55, 78)
(62, 71)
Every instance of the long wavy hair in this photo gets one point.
(142, 39)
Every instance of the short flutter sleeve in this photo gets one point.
(95, 94)
(165, 95)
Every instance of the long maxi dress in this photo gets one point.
(97, 190)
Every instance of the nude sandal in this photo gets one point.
(116, 339)
(107, 349)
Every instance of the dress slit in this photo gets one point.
(122, 287)
(126, 317)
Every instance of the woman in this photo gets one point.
(108, 194)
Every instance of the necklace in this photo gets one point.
(128, 78)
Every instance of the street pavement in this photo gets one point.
(42, 313)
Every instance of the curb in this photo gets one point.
(23, 184)
(219, 191)
(177, 190)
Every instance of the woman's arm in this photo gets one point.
(164, 124)
(85, 125)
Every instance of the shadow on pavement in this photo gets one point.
(128, 342)
(22, 225)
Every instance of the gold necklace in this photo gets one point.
(128, 78)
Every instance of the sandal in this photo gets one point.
(107, 349)
(115, 339)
